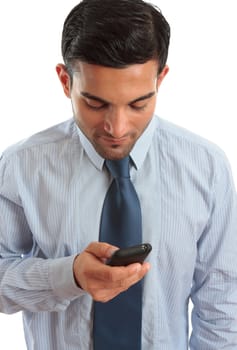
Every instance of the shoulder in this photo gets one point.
(184, 152)
(54, 136)
(43, 155)
(179, 139)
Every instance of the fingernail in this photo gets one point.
(148, 266)
(112, 250)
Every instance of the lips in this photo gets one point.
(112, 140)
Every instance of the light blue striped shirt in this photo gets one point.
(52, 187)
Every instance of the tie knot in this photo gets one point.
(118, 168)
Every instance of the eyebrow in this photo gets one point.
(99, 99)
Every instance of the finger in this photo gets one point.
(136, 277)
(111, 274)
(106, 292)
(101, 250)
(124, 284)
(103, 295)
(118, 276)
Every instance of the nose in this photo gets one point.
(115, 123)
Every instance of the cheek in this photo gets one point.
(145, 118)
(86, 119)
(151, 110)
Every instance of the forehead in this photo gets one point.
(101, 81)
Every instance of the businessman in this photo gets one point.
(112, 176)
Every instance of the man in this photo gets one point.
(53, 186)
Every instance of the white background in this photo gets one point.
(199, 92)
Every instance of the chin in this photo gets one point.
(114, 153)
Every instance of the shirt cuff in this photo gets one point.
(62, 279)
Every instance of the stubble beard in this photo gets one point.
(114, 152)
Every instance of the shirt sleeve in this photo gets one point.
(27, 281)
(214, 290)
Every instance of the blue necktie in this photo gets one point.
(117, 323)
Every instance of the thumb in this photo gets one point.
(101, 250)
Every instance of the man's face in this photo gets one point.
(111, 106)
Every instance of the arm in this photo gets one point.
(31, 281)
(214, 291)
(37, 284)
(27, 281)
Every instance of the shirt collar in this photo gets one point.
(142, 145)
(137, 154)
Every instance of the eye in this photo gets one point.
(138, 107)
(95, 105)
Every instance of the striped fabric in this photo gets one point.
(52, 187)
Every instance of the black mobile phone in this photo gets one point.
(126, 256)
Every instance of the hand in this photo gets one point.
(101, 281)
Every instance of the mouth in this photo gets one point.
(113, 140)
(112, 147)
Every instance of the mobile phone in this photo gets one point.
(126, 256)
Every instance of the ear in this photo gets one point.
(64, 79)
(161, 76)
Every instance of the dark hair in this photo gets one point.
(115, 33)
